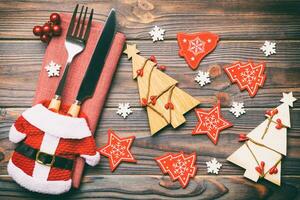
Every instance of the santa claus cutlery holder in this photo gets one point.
(48, 142)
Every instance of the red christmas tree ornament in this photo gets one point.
(248, 76)
(211, 123)
(117, 150)
(195, 46)
(180, 167)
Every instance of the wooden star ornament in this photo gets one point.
(211, 123)
(131, 50)
(117, 150)
(288, 98)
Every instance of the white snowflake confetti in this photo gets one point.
(213, 166)
(157, 33)
(53, 69)
(124, 110)
(237, 109)
(269, 48)
(202, 78)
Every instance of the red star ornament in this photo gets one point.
(248, 76)
(117, 150)
(195, 46)
(179, 166)
(211, 123)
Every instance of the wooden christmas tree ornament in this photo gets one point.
(165, 103)
(265, 145)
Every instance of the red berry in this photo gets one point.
(56, 30)
(144, 102)
(45, 38)
(47, 28)
(55, 18)
(153, 59)
(37, 30)
(162, 67)
(262, 163)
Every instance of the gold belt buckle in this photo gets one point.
(41, 162)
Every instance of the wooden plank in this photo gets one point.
(146, 148)
(18, 67)
(252, 19)
(160, 187)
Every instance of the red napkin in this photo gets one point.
(57, 53)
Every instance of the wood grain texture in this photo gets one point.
(145, 148)
(18, 67)
(160, 187)
(242, 26)
(252, 19)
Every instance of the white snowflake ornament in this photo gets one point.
(269, 48)
(124, 110)
(53, 69)
(157, 33)
(202, 78)
(237, 109)
(213, 166)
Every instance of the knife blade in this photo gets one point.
(92, 74)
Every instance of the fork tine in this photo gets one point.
(83, 22)
(88, 27)
(72, 22)
(78, 22)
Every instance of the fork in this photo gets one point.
(75, 43)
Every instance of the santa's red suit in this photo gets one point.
(48, 144)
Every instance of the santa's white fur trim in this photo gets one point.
(36, 185)
(56, 124)
(15, 136)
(92, 160)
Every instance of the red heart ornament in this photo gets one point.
(195, 46)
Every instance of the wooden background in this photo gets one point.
(243, 27)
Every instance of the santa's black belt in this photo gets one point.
(44, 158)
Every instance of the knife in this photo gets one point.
(92, 74)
